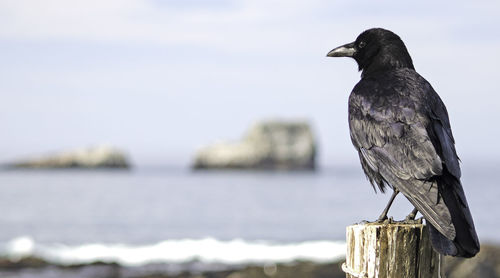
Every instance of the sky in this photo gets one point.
(160, 79)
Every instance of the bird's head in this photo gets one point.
(374, 50)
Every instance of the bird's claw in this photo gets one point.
(384, 220)
(408, 220)
(381, 219)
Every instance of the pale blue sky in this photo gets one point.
(162, 78)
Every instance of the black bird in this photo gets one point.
(400, 128)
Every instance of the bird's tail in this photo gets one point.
(466, 242)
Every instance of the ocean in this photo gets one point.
(176, 215)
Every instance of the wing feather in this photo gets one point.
(405, 144)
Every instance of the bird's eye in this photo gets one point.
(361, 44)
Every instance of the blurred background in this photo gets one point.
(162, 88)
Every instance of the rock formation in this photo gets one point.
(95, 157)
(267, 145)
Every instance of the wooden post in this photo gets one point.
(390, 250)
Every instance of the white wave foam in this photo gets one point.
(207, 250)
(20, 247)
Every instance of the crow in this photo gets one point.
(401, 130)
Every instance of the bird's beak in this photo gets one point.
(346, 50)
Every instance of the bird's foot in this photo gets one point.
(407, 221)
(409, 218)
(413, 221)
(383, 219)
(412, 215)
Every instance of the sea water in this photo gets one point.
(175, 215)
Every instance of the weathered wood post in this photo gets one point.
(390, 250)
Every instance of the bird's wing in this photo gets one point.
(391, 132)
(441, 134)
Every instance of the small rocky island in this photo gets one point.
(287, 145)
(93, 157)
